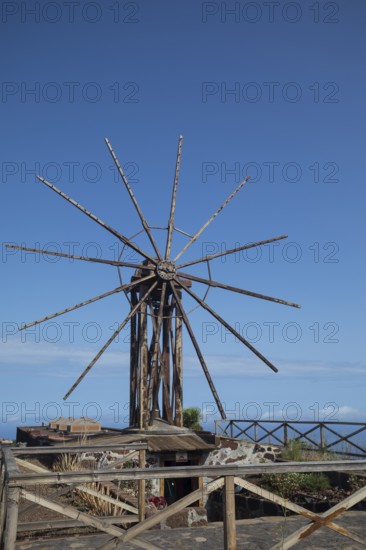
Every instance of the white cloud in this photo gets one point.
(56, 360)
(239, 366)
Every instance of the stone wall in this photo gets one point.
(241, 452)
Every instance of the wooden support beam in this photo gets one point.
(142, 487)
(2, 497)
(89, 476)
(287, 504)
(144, 357)
(163, 514)
(73, 513)
(11, 502)
(323, 520)
(165, 369)
(11, 521)
(134, 361)
(55, 524)
(229, 515)
(157, 323)
(153, 520)
(84, 488)
(77, 449)
(178, 369)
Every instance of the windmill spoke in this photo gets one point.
(195, 237)
(125, 287)
(173, 203)
(84, 258)
(229, 327)
(114, 335)
(133, 198)
(198, 351)
(216, 284)
(114, 232)
(231, 251)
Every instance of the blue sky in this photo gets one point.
(272, 90)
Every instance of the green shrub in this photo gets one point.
(287, 485)
(191, 418)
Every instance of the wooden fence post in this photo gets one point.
(322, 440)
(229, 517)
(11, 524)
(11, 502)
(3, 496)
(142, 487)
(255, 432)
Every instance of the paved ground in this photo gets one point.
(255, 534)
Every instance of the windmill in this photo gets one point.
(157, 312)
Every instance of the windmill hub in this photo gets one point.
(166, 270)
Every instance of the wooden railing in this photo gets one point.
(16, 485)
(342, 438)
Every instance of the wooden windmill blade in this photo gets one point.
(157, 313)
(173, 202)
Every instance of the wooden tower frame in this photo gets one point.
(157, 313)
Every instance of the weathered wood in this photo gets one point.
(119, 236)
(243, 428)
(134, 361)
(133, 199)
(143, 366)
(216, 284)
(225, 324)
(229, 515)
(91, 476)
(11, 521)
(11, 501)
(152, 393)
(173, 201)
(155, 519)
(83, 518)
(55, 524)
(345, 438)
(3, 496)
(86, 302)
(106, 498)
(287, 504)
(213, 485)
(126, 458)
(75, 257)
(198, 352)
(200, 231)
(165, 369)
(88, 490)
(162, 515)
(73, 513)
(10, 464)
(178, 370)
(210, 257)
(142, 488)
(32, 451)
(30, 466)
(323, 520)
(141, 303)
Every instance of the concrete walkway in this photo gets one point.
(254, 534)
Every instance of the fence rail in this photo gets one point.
(16, 485)
(342, 438)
